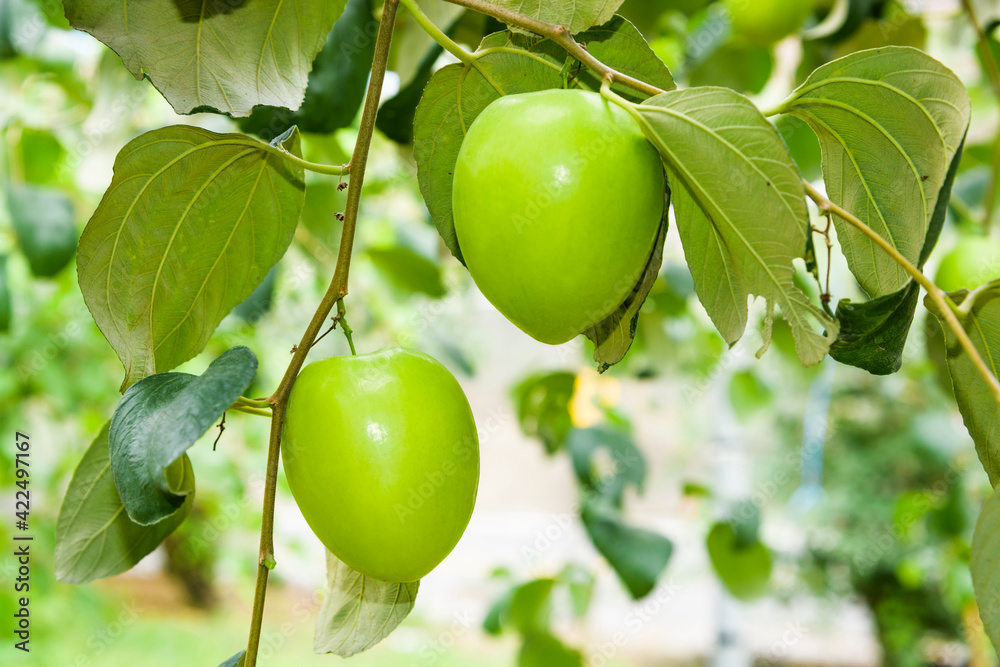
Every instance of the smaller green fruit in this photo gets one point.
(382, 456)
(971, 263)
(767, 21)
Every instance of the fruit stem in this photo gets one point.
(344, 326)
(945, 305)
(561, 36)
(335, 292)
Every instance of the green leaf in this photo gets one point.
(613, 336)
(227, 56)
(358, 611)
(408, 270)
(493, 623)
(531, 606)
(889, 122)
(235, 661)
(94, 536)
(742, 232)
(873, 334)
(44, 223)
(507, 65)
(543, 407)
(5, 302)
(577, 15)
(981, 320)
(541, 649)
(190, 225)
(638, 556)
(337, 82)
(802, 145)
(744, 569)
(625, 464)
(158, 419)
(41, 153)
(579, 584)
(744, 68)
(985, 566)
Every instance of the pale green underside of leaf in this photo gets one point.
(228, 56)
(889, 122)
(577, 15)
(94, 536)
(190, 225)
(979, 409)
(508, 65)
(742, 232)
(358, 611)
(985, 566)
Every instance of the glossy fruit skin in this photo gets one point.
(558, 198)
(765, 22)
(382, 456)
(971, 263)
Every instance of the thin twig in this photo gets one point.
(941, 300)
(336, 291)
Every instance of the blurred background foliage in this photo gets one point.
(768, 483)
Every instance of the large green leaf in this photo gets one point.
(985, 566)
(743, 567)
(889, 122)
(577, 15)
(742, 232)
(45, 225)
(94, 536)
(337, 82)
(358, 611)
(228, 56)
(873, 334)
(188, 228)
(506, 65)
(158, 419)
(980, 317)
(638, 556)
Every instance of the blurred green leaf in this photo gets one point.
(493, 623)
(745, 69)
(626, 464)
(981, 320)
(44, 223)
(542, 649)
(457, 94)
(41, 154)
(259, 303)
(189, 227)
(744, 569)
(887, 150)
(699, 134)
(748, 394)
(5, 302)
(337, 82)
(94, 536)
(543, 408)
(7, 30)
(228, 57)
(696, 490)
(408, 270)
(358, 612)
(530, 608)
(802, 145)
(158, 419)
(638, 556)
(580, 584)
